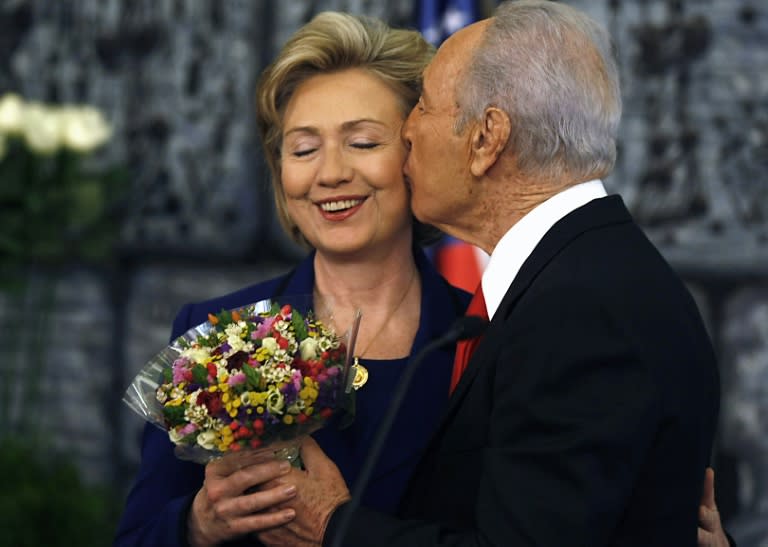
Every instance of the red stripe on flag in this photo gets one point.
(458, 263)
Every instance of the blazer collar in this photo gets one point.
(595, 214)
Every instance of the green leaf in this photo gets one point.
(297, 320)
(252, 376)
(200, 374)
(174, 414)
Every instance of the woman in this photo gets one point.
(330, 109)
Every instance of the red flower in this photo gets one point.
(212, 401)
(212, 370)
(236, 360)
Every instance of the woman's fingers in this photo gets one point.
(229, 481)
(261, 500)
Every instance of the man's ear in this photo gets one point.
(488, 140)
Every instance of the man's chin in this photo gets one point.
(418, 212)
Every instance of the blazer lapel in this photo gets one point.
(595, 214)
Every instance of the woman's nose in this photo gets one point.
(334, 168)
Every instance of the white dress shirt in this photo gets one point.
(518, 243)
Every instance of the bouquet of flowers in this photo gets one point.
(258, 377)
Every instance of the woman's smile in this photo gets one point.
(342, 164)
(340, 208)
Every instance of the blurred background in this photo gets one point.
(103, 238)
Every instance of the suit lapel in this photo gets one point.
(595, 214)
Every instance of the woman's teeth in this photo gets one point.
(332, 206)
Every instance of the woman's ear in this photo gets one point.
(488, 140)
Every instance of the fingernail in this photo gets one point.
(285, 467)
(290, 490)
(290, 514)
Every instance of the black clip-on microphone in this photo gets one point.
(468, 326)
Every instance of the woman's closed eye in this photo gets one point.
(301, 152)
(365, 145)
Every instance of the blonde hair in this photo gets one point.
(334, 41)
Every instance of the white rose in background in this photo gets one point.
(84, 128)
(11, 114)
(41, 129)
(46, 129)
(57, 203)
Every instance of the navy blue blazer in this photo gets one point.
(586, 415)
(158, 503)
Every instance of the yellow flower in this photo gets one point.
(288, 419)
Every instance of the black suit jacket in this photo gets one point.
(586, 415)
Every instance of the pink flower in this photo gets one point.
(187, 429)
(296, 378)
(263, 329)
(235, 379)
(180, 371)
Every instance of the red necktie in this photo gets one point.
(464, 348)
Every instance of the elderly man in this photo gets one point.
(587, 412)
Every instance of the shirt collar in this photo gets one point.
(521, 239)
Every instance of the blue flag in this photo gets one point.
(438, 19)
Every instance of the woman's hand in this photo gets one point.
(227, 506)
(711, 533)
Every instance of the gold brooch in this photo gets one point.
(361, 374)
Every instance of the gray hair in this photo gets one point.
(552, 70)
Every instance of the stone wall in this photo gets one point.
(175, 77)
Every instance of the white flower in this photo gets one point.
(199, 355)
(308, 348)
(42, 128)
(269, 344)
(207, 439)
(236, 343)
(196, 414)
(83, 128)
(161, 394)
(174, 435)
(11, 113)
(296, 407)
(282, 356)
(325, 344)
(234, 329)
(275, 401)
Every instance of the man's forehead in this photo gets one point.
(454, 54)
